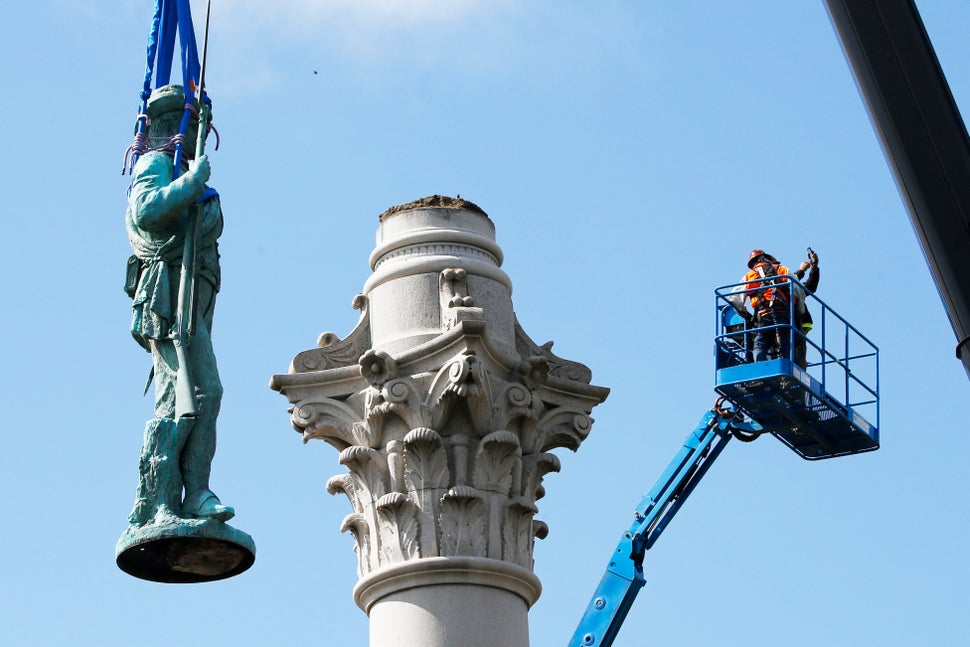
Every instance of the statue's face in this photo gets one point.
(167, 124)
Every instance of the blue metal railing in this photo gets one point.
(832, 351)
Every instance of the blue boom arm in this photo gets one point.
(623, 578)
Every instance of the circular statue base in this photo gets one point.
(185, 551)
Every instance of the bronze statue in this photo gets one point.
(174, 221)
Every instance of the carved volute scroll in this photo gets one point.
(443, 420)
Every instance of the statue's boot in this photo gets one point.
(206, 505)
(196, 461)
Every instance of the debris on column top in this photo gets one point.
(434, 202)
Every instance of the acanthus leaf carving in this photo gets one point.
(534, 468)
(400, 528)
(479, 396)
(463, 378)
(398, 397)
(498, 465)
(563, 427)
(425, 461)
(518, 407)
(356, 524)
(369, 472)
(405, 402)
(498, 470)
(445, 457)
(343, 483)
(462, 522)
(326, 418)
(540, 529)
(426, 477)
(442, 409)
(518, 532)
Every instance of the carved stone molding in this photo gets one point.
(436, 572)
(447, 462)
(444, 421)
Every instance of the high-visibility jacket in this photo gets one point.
(770, 297)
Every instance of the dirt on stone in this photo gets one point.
(434, 202)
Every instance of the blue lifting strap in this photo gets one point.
(176, 16)
(170, 18)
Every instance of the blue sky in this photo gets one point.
(630, 155)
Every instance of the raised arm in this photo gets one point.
(156, 200)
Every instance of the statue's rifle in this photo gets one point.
(186, 404)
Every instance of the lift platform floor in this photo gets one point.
(793, 406)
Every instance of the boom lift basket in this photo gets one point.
(822, 400)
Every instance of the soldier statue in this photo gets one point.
(165, 208)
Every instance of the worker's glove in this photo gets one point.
(199, 169)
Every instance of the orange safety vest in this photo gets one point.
(762, 299)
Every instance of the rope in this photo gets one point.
(140, 143)
(138, 147)
(169, 18)
(210, 128)
(143, 144)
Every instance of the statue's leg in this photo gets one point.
(166, 372)
(165, 437)
(200, 446)
(159, 490)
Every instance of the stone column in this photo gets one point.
(444, 413)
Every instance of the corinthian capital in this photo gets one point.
(443, 410)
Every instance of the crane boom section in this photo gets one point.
(623, 577)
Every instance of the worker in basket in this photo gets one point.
(770, 298)
(803, 318)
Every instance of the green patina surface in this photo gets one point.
(173, 279)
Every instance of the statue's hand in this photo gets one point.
(200, 169)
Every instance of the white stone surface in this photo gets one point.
(449, 602)
(411, 300)
(444, 413)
